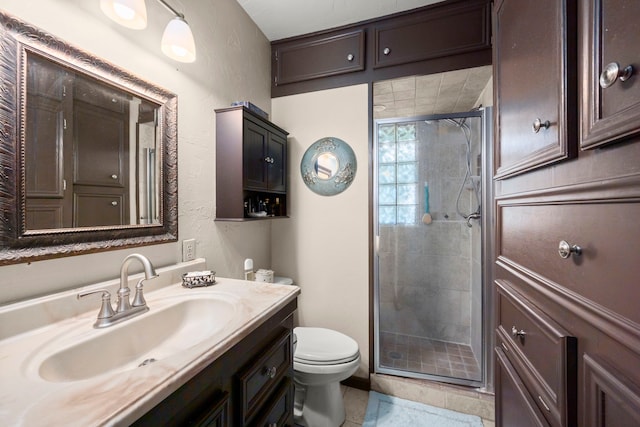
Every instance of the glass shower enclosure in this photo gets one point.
(431, 202)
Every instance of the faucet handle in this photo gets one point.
(106, 310)
(138, 299)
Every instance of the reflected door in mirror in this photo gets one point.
(90, 152)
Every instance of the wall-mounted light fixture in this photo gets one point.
(177, 40)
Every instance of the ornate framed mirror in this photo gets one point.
(329, 166)
(88, 151)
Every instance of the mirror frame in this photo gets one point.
(347, 166)
(17, 244)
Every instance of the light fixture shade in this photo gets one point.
(177, 41)
(129, 13)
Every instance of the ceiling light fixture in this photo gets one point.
(177, 39)
(128, 13)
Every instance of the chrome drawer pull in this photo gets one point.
(544, 404)
(350, 57)
(565, 249)
(612, 73)
(386, 51)
(539, 124)
(517, 333)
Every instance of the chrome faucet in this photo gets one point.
(475, 215)
(124, 309)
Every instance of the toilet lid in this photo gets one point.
(324, 346)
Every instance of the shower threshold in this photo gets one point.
(428, 358)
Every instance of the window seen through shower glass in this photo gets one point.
(397, 173)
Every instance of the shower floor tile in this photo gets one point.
(428, 356)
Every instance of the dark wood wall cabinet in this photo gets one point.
(567, 191)
(436, 38)
(250, 385)
(251, 166)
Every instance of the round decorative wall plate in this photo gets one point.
(329, 166)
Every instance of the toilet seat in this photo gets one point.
(320, 347)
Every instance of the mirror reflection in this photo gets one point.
(91, 151)
(326, 166)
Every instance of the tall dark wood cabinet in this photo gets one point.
(567, 186)
(251, 166)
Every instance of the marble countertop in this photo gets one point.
(116, 397)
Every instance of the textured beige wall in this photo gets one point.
(324, 245)
(233, 64)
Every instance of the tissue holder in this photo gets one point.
(196, 279)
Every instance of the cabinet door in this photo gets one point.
(255, 156)
(277, 176)
(611, 108)
(611, 400)
(535, 73)
(433, 33)
(319, 57)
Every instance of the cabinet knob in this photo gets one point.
(270, 372)
(386, 51)
(269, 160)
(114, 176)
(565, 249)
(517, 333)
(539, 124)
(273, 424)
(350, 57)
(114, 203)
(612, 72)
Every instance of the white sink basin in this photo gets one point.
(170, 327)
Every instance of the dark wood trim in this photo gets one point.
(357, 382)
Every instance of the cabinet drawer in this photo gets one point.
(515, 407)
(432, 34)
(543, 353)
(319, 57)
(258, 380)
(606, 272)
(278, 412)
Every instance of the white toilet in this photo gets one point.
(322, 358)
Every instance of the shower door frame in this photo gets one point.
(487, 222)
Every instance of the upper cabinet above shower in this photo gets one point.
(449, 35)
(535, 80)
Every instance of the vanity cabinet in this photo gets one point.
(250, 385)
(567, 325)
(251, 164)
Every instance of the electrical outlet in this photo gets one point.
(188, 250)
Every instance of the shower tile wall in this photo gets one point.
(425, 270)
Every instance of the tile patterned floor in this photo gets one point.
(428, 356)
